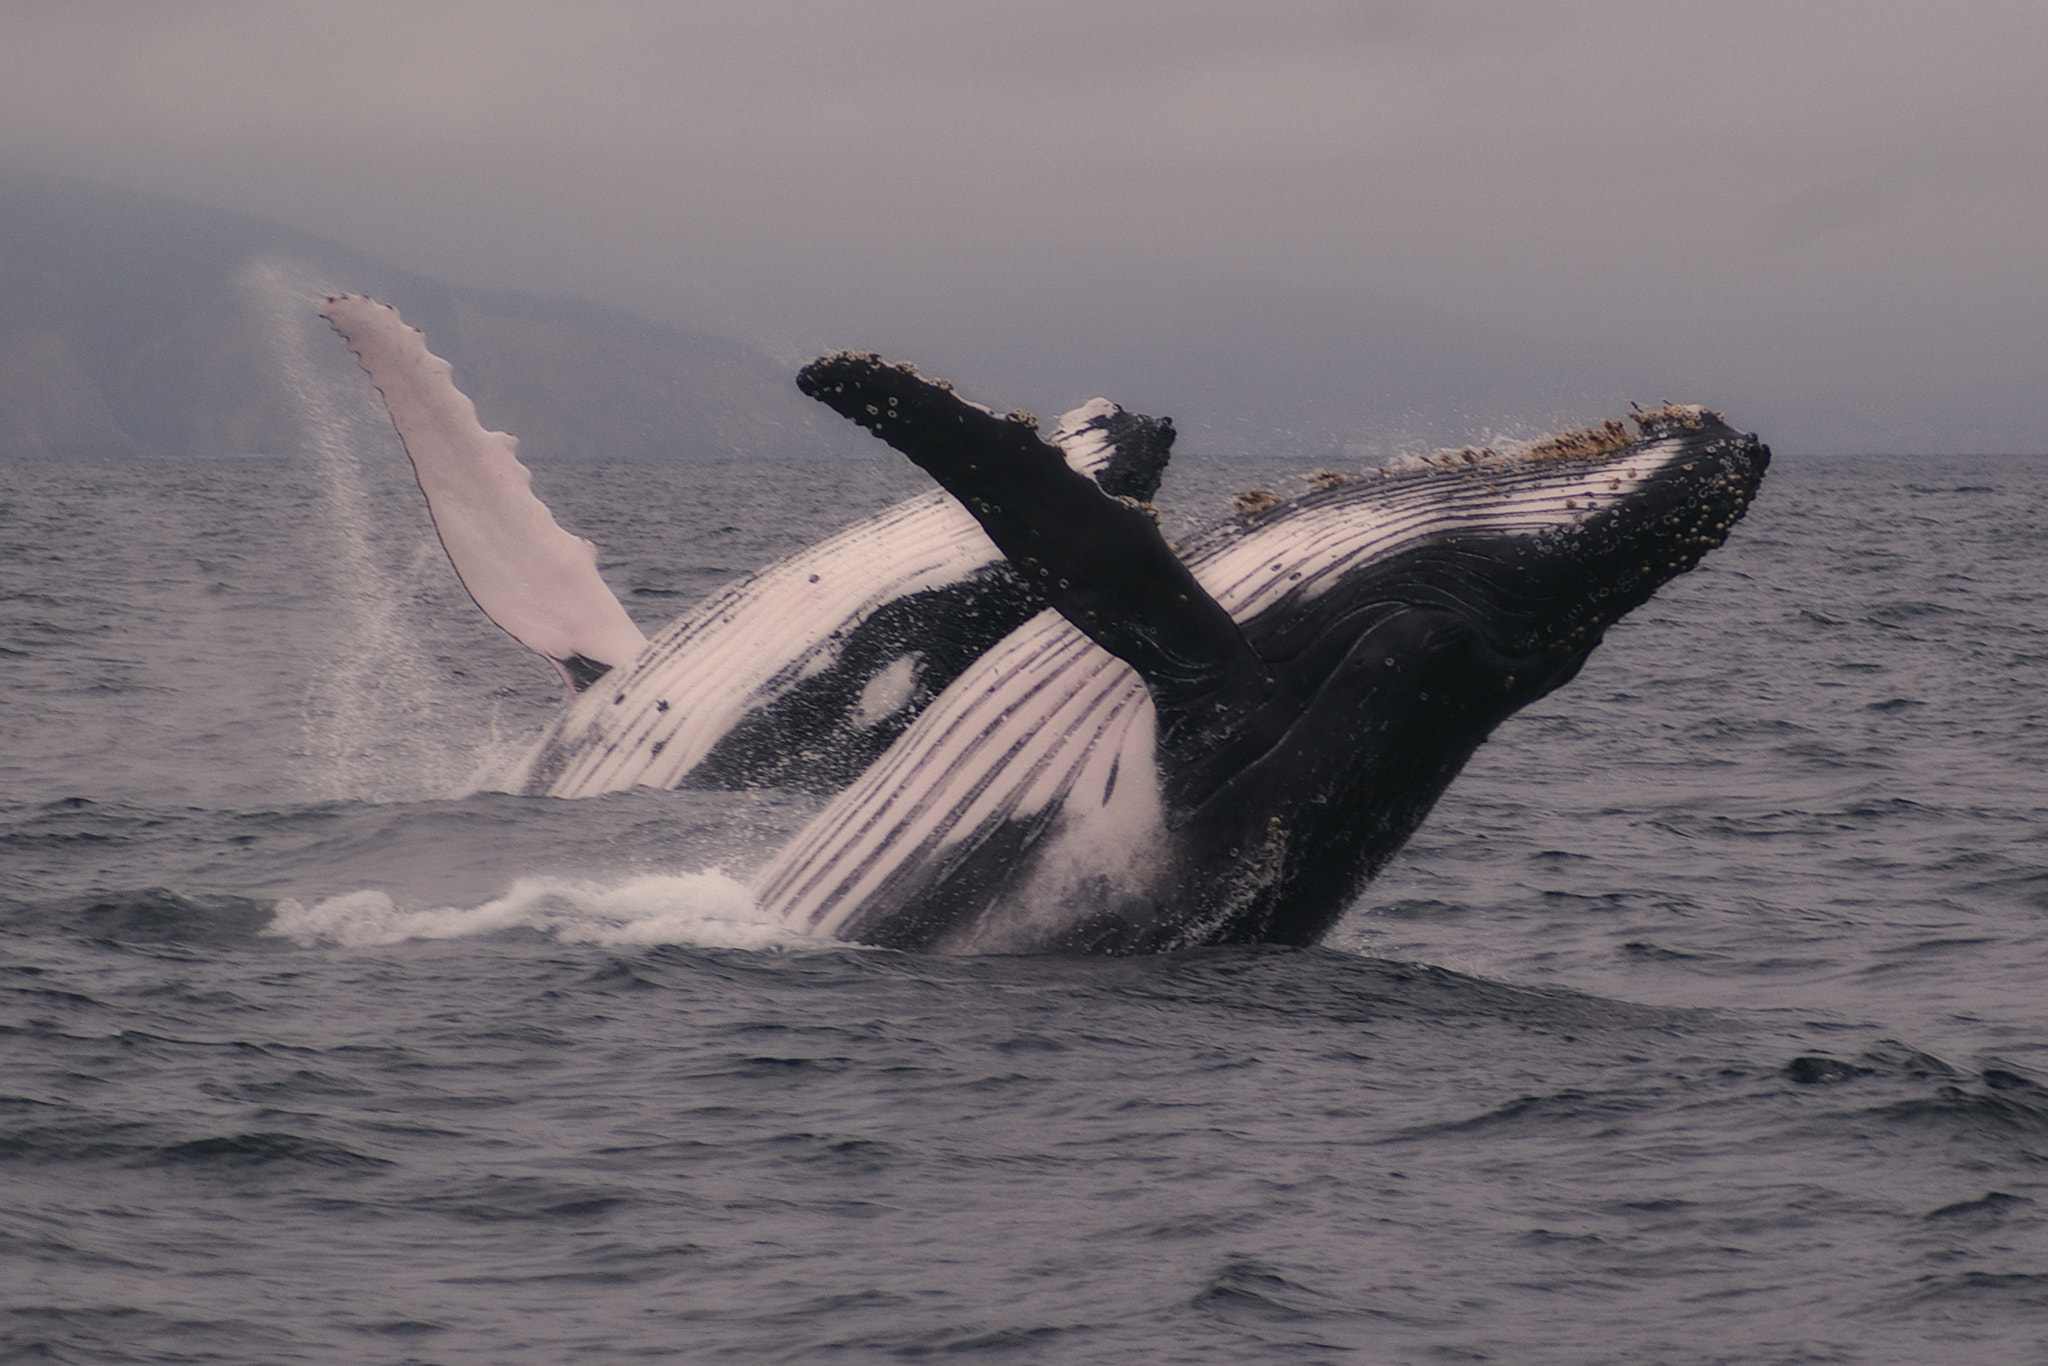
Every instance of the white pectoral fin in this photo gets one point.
(532, 578)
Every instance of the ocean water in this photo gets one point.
(1703, 1022)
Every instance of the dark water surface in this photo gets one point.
(1703, 1022)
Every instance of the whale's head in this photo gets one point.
(1413, 610)
(1587, 529)
(1516, 561)
(1555, 543)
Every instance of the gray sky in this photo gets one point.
(1829, 219)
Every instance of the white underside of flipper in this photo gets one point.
(535, 580)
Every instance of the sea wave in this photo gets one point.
(707, 909)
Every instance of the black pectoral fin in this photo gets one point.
(1099, 560)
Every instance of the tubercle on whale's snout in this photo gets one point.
(1599, 443)
(1703, 493)
(1549, 598)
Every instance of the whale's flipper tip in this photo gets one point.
(538, 582)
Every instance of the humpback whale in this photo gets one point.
(800, 675)
(1222, 745)
(1040, 726)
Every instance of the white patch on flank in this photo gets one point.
(707, 909)
(820, 660)
(888, 692)
(739, 649)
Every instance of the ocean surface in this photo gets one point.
(1703, 1022)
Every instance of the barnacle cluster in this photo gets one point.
(1588, 443)
(1580, 443)
(1667, 413)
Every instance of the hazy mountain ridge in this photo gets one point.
(127, 327)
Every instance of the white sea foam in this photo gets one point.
(707, 909)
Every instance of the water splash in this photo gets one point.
(382, 722)
(707, 909)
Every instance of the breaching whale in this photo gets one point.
(1048, 729)
(800, 675)
(1224, 744)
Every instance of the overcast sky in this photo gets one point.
(1830, 219)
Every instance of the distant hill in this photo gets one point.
(123, 329)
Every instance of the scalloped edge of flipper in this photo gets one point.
(538, 582)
